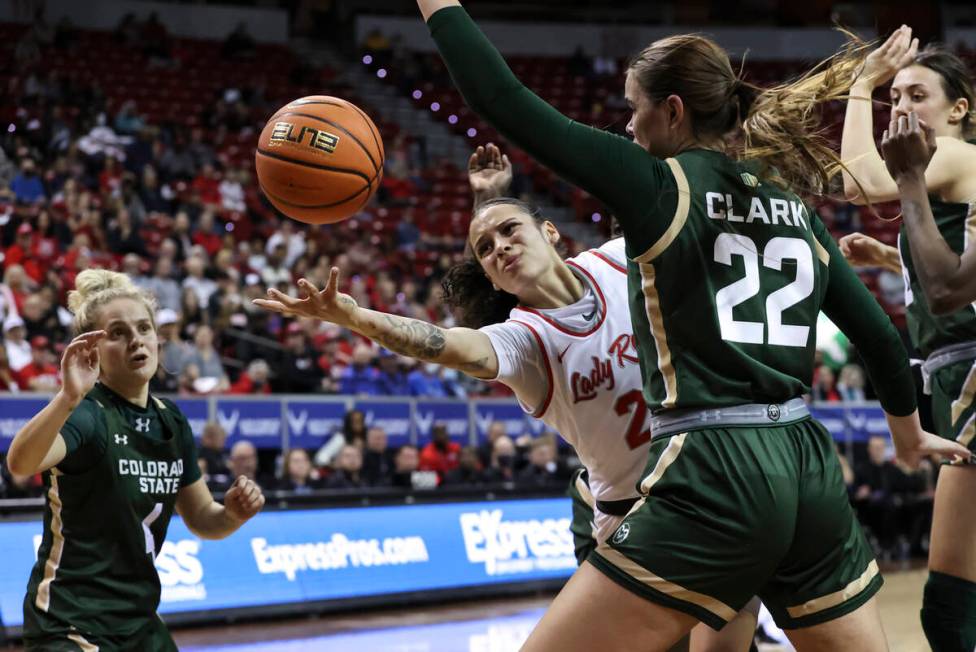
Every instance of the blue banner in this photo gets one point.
(332, 554)
(197, 412)
(14, 413)
(509, 413)
(453, 414)
(857, 422)
(312, 423)
(392, 416)
(256, 421)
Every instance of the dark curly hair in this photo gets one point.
(469, 291)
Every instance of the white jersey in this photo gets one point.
(592, 378)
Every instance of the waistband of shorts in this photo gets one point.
(943, 357)
(670, 422)
(612, 507)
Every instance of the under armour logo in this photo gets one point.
(122, 439)
(142, 425)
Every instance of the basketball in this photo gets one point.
(319, 159)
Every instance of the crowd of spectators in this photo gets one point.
(85, 181)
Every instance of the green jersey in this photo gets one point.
(727, 274)
(108, 505)
(957, 224)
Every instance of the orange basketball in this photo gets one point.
(319, 159)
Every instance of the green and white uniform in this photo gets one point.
(727, 275)
(108, 505)
(947, 341)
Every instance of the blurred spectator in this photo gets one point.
(297, 474)
(276, 272)
(823, 388)
(232, 192)
(392, 379)
(297, 371)
(426, 381)
(406, 471)
(26, 184)
(41, 373)
(195, 280)
(123, 236)
(203, 364)
(19, 253)
(163, 286)
(127, 120)
(14, 339)
(173, 352)
(254, 380)
(353, 433)
(850, 386)
(441, 454)
(7, 381)
(360, 378)
(244, 461)
(213, 442)
(878, 496)
(293, 241)
(542, 470)
(495, 430)
(377, 457)
(469, 470)
(348, 465)
(502, 468)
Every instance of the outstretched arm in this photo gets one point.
(635, 185)
(864, 251)
(464, 349)
(948, 280)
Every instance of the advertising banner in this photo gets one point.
(256, 421)
(311, 423)
(453, 414)
(197, 412)
(395, 417)
(334, 554)
(14, 413)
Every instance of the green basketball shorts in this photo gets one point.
(730, 513)
(582, 524)
(153, 637)
(953, 411)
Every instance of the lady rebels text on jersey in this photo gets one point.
(576, 368)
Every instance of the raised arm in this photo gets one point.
(948, 280)
(489, 174)
(620, 173)
(207, 518)
(39, 445)
(858, 149)
(464, 349)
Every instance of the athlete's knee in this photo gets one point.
(949, 613)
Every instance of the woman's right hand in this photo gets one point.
(327, 305)
(893, 55)
(863, 251)
(80, 366)
(489, 172)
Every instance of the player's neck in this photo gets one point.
(560, 287)
(137, 395)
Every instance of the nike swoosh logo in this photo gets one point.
(589, 316)
(559, 358)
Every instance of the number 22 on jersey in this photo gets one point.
(777, 250)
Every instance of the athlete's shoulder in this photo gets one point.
(612, 252)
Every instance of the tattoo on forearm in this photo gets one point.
(411, 337)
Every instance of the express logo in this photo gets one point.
(180, 571)
(284, 132)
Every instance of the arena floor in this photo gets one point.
(483, 626)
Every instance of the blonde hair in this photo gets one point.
(96, 287)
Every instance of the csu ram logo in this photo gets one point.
(285, 132)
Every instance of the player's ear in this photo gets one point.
(550, 232)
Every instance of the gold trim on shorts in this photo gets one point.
(837, 597)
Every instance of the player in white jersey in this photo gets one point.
(557, 332)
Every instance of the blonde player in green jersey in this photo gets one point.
(728, 271)
(116, 463)
(935, 178)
